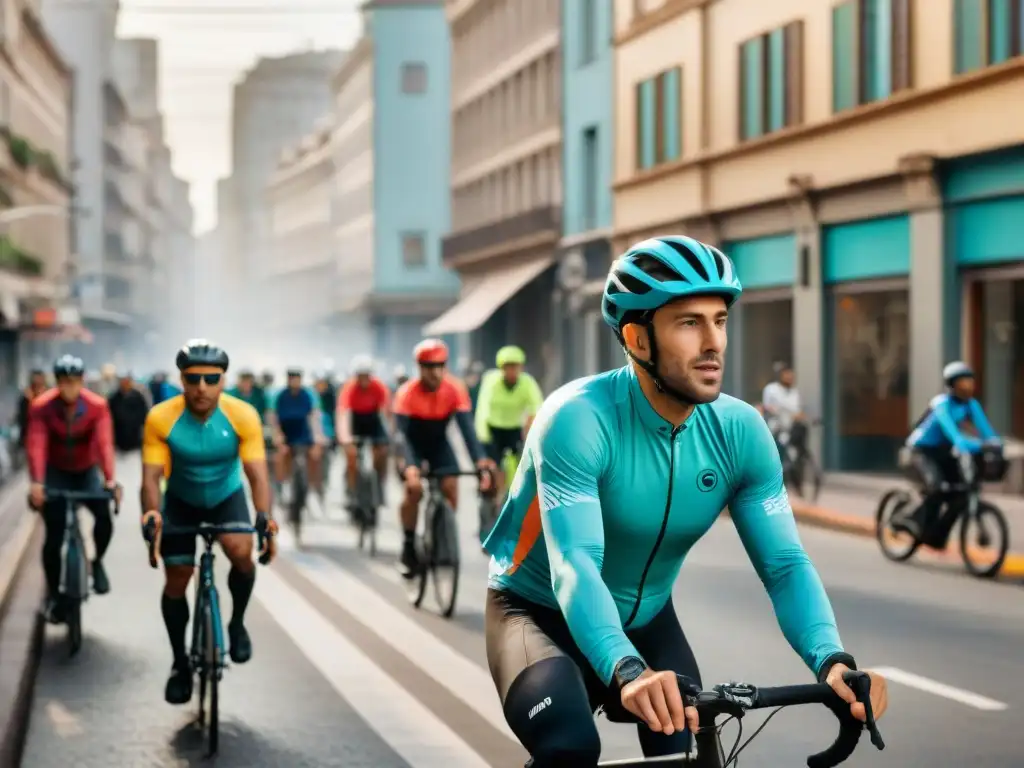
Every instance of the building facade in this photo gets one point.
(35, 115)
(506, 185)
(845, 155)
(587, 146)
(277, 103)
(302, 272)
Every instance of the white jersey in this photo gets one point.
(781, 405)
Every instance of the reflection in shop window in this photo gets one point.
(1001, 304)
(871, 346)
(766, 338)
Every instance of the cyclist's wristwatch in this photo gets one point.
(628, 670)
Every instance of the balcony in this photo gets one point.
(536, 226)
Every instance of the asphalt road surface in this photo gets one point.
(346, 673)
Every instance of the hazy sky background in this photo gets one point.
(205, 47)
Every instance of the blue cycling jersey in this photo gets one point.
(293, 410)
(609, 498)
(940, 428)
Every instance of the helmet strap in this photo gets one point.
(650, 366)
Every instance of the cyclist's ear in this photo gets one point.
(635, 336)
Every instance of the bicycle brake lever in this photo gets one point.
(861, 685)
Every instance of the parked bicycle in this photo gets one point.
(984, 534)
(734, 700)
(366, 497)
(490, 505)
(207, 653)
(438, 548)
(800, 470)
(74, 569)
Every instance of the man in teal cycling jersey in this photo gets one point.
(624, 472)
(938, 440)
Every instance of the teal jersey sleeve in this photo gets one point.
(764, 519)
(573, 452)
(981, 422)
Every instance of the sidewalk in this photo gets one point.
(848, 503)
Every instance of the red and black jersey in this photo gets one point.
(422, 416)
(71, 437)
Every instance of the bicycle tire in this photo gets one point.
(212, 670)
(445, 558)
(72, 597)
(999, 520)
(297, 502)
(196, 655)
(893, 501)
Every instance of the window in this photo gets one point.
(588, 31)
(986, 32)
(771, 80)
(414, 249)
(870, 51)
(414, 78)
(591, 178)
(658, 119)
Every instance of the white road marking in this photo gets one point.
(409, 728)
(464, 679)
(936, 688)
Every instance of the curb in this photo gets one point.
(858, 525)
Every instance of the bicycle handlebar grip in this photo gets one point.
(149, 534)
(263, 536)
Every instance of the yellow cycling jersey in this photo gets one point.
(504, 407)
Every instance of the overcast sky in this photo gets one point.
(205, 46)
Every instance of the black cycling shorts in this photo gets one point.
(369, 426)
(503, 440)
(439, 456)
(181, 550)
(550, 692)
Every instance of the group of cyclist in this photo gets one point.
(620, 475)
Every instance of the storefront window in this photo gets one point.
(1001, 374)
(766, 338)
(870, 350)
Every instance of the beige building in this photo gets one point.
(301, 273)
(862, 163)
(35, 89)
(506, 173)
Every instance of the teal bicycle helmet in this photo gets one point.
(654, 272)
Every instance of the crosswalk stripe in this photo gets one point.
(408, 727)
(464, 679)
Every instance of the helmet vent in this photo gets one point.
(659, 270)
(691, 259)
(631, 284)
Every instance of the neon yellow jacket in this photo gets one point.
(500, 407)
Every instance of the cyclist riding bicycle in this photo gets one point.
(247, 391)
(203, 440)
(423, 408)
(361, 410)
(938, 439)
(509, 401)
(780, 403)
(294, 416)
(624, 472)
(70, 436)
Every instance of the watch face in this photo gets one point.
(631, 669)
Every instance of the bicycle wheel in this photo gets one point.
(75, 580)
(444, 563)
(297, 502)
(984, 540)
(897, 546)
(197, 654)
(488, 516)
(211, 669)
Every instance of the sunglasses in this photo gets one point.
(212, 379)
(432, 365)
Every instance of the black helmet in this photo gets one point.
(294, 371)
(201, 352)
(68, 365)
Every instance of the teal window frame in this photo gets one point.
(770, 88)
(659, 119)
(986, 33)
(871, 51)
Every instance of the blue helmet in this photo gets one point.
(654, 272)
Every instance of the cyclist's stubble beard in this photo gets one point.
(201, 399)
(431, 376)
(684, 377)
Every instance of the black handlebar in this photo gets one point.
(736, 698)
(106, 494)
(205, 529)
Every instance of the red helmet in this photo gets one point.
(431, 351)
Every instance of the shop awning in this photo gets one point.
(485, 295)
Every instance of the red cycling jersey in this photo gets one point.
(363, 401)
(417, 402)
(72, 438)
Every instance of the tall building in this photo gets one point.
(276, 104)
(579, 332)
(35, 114)
(109, 160)
(862, 163)
(506, 176)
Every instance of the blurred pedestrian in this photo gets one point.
(36, 386)
(128, 409)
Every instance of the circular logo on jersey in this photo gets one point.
(707, 480)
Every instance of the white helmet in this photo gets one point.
(956, 370)
(362, 365)
(399, 371)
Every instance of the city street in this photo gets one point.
(345, 673)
